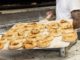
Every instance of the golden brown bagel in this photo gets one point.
(1, 45)
(29, 44)
(16, 44)
(69, 37)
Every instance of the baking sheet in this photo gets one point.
(57, 42)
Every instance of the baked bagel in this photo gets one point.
(45, 42)
(29, 44)
(1, 45)
(4, 39)
(16, 44)
(67, 30)
(69, 37)
(65, 24)
(52, 25)
(35, 31)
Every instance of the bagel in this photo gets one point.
(55, 32)
(52, 25)
(35, 31)
(53, 28)
(4, 39)
(16, 44)
(45, 42)
(65, 24)
(67, 30)
(45, 33)
(69, 37)
(29, 44)
(1, 45)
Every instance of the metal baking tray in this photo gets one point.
(30, 15)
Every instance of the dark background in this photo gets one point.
(14, 4)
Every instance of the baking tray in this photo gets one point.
(56, 43)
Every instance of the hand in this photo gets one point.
(49, 14)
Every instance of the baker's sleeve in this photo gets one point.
(74, 5)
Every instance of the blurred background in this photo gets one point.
(14, 11)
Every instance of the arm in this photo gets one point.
(76, 18)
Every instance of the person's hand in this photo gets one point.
(49, 14)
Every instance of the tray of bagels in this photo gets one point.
(39, 35)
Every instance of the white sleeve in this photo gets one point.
(74, 5)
